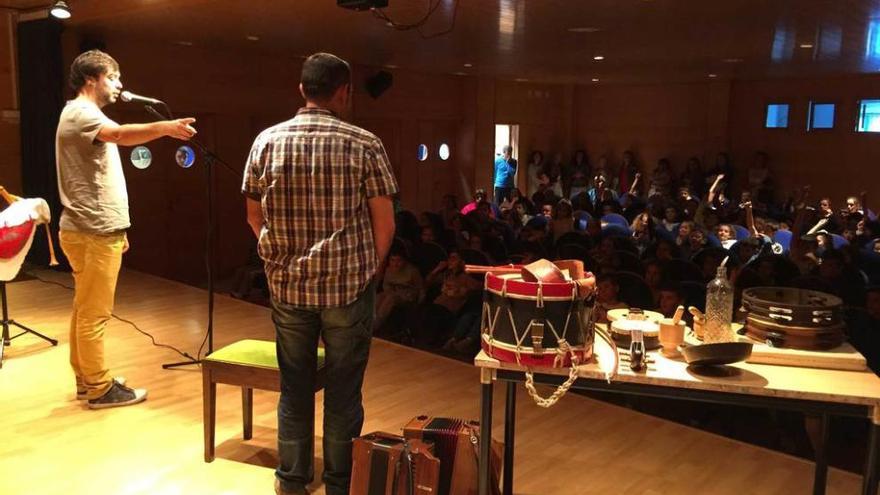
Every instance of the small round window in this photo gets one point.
(423, 152)
(444, 151)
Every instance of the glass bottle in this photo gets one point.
(719, 309)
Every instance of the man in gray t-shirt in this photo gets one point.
(95, 217)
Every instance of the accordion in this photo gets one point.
(386, 464)
(456, 443)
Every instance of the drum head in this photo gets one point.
(622, 313)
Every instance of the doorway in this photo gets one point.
(507, 134)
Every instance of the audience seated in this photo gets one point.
(401, 284)
(653, 251)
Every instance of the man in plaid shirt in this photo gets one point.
(319, 201)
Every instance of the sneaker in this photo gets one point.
(281, 491)
(81, 390)
(118, 395)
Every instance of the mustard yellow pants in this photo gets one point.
(95, 260)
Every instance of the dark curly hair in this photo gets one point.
(90, 64)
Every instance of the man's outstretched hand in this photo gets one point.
(181, 128)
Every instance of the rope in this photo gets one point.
(562, 389)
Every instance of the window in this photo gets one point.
(821, 116)
(869, 116)
(444, 151)
(423, 152)
(777, 116)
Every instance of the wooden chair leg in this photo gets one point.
(247, 412)
(209, 411)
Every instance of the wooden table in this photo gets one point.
(810, 390)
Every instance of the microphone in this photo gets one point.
(129, 97)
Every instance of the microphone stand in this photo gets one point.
(210, 159)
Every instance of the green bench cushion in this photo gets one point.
(250, 352)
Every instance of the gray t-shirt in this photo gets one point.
(90, 179)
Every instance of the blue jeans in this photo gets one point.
(502, 193)
(346, 332)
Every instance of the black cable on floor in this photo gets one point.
(123, 320)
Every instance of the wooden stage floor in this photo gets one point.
(52, 444)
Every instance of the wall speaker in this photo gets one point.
(379, 83)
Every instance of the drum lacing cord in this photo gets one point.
(539, 303)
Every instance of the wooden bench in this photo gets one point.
(249, 364)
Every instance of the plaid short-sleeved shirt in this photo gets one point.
(313, 175)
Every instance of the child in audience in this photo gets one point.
(726, 234)
(563, 222)
(607, 296)
(401, 284)
(671, 297)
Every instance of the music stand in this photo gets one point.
(7, 340)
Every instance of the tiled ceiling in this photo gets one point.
(552, 40)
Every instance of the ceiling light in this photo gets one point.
(583, 30)
(806, 45)
(468, 65)
(521, 79)
(459, 73)
(253, 38)
(390, 66)
(713, 76)
(599, 57)
(595, 79)
(184, 43)
(60, 10)
(732, 60)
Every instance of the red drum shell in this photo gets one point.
(527, 357)
(508, 292)
(520, 289)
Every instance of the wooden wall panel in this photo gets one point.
(10, 137)
(654, 121)
(235, 95)
(837, 162)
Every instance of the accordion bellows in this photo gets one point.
(386, 464)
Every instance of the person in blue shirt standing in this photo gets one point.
(505, 171)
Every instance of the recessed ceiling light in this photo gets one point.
(253, 38)
(468, 65)
(595, 79)
(184, 43)
(732, 60)
(390, 66)
(599, 57)
(459, 73)
(583, 30)
(806, 45)
(713, 76)
(521, 79)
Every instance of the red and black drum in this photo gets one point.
(536, 323)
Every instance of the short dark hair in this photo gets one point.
(322, 75)
(90, 64)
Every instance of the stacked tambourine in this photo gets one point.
(794, 318)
